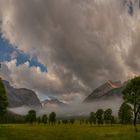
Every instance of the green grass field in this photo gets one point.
(68, 132)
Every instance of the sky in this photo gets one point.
(8, 53)
(66, 48)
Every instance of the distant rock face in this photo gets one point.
(52, 103)
(21, 97)
(106, 91)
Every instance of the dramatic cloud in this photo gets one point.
(82, 42)
(30, 77)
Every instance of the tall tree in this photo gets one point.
(112, 121)
(125, 113)
(45, 119)
(31, 116)
(99, 116)
(38, 120)
(52, 118)
(72, 121)
(107, 116)
(131, 95)
(3, 99)
(92, 118)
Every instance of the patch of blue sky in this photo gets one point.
(8, 52)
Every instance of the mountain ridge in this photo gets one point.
(21, 97)
(105, 91)
(52, 102)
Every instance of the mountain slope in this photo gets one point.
(106, 91)
(21, 97)
(53, 103)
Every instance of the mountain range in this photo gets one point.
(52, 102)
(26, 97)
(108, 91)
(21, 97)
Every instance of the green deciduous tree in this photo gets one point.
(72, 121)
(99, 116)
(92, 118)
(125, 113)
(3, 99)
(112, 121)
(38, 120)
(65, 121)
(31, 116)
(131, 95)
(45, 119)
(107, 116)
(52, 118)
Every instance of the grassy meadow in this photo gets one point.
(67, 132)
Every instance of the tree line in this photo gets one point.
(44, 119)
(101, 117)
(32, 118)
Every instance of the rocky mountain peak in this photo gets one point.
(102, 90)
(21, 97)
(116, 84)
(52, 102)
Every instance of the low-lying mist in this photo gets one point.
(75, 109)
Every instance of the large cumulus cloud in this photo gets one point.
(82, 43)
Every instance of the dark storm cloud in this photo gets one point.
(82, 43)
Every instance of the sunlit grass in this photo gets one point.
(68, 132)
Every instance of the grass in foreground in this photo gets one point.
(68, 132)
